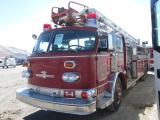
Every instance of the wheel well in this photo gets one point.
(123, 81)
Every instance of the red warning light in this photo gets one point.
(46, 27)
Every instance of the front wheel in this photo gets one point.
(117, 96)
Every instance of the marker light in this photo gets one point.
(92, 15)
(88, 94)
(46, 27)
(70, 64)
(84, 95)
(92, 20)
(26, 64)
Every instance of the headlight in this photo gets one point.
(26, 74)
(65, 77)
(71, 77)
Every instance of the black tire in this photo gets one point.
(117, 96)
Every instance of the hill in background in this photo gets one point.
(14, 52)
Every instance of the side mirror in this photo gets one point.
(34, 36)
(110, 43)
(99, 32)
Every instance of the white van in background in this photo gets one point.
(10, 62)
(2, 63)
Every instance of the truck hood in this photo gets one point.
(47, 71)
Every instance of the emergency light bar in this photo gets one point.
(46, 27)
(92, 20)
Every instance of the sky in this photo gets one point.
(19, 19)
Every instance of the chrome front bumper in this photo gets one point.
(71, 106)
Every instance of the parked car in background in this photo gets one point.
(2, 63)
(10, 62)
(20, 61)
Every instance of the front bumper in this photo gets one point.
(71, 106)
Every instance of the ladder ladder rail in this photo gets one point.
(60, 13)
(69, 4)
(68, 14)
(115, 27)
(71, 11)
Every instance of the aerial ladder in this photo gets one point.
(71, 17)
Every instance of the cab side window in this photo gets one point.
(102, 44)
(118, 44)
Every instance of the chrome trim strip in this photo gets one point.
(79, 106)
(112, 85)
(32, 57)
(103, 84)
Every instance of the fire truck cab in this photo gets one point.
(83, 65)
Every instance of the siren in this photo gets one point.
(46, 27)
(92, 19)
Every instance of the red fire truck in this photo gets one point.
(84, 63)
(151, 60)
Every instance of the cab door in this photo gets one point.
(103, 63)
(155, 18)
(119, 50)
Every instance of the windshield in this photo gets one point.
(43, 42)
(68, 40)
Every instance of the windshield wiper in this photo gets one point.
(75, 50)
(38, 51)
(63, 49)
